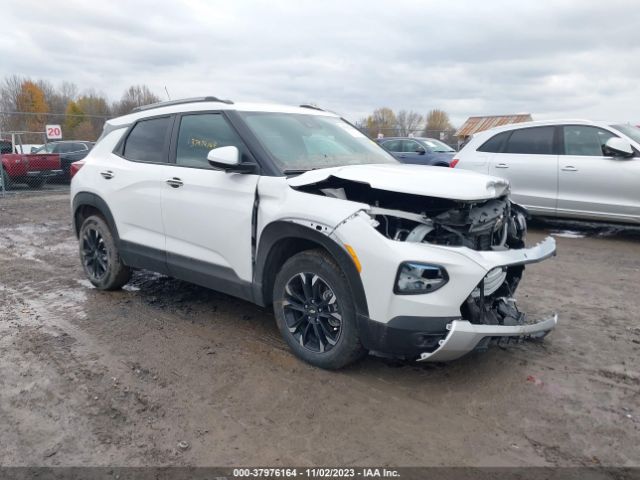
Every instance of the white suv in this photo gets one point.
(295, 208)
(565, 168)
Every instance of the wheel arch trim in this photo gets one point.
(276, 232)
(82, 199)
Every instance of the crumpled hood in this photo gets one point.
(439, 182)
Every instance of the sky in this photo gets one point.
(560, 59)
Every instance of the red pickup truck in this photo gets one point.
(32, 169)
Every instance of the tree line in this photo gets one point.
(384, 121)
(27, 105)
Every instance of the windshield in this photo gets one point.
(630, 131)
(437, 146)
(306, 142)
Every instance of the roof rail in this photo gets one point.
(312, 106)
(179, 102)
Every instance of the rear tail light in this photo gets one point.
(75, 167)
(454, 162)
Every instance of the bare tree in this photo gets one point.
(408, 122)
(134, 96)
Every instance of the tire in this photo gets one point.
(315, 312)
(6, 180)
(100, 257)
(36, 183)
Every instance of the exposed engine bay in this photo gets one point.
(495, 224)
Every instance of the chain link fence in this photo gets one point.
(37, 149)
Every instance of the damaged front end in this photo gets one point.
(489, 231)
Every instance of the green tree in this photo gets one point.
(73, 116)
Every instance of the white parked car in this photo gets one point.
(570, 168)
(295, 208)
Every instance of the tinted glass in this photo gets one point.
(411, 146)
(307, 141)
(5, 147)
(495, 143)
(201, 133)
(584, 140)
(47, 148)
(393, 145)
(630, 131)
(534, 141)
(147, 140)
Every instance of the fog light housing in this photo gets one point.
(416, 278)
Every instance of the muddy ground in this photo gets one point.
(122, 378)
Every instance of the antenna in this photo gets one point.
(165, 89)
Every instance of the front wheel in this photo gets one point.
(314, 311)
(100, 257)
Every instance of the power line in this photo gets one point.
(57, 114)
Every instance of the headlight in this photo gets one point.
(415, 278)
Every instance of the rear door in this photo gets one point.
(130, 181)
(207, 212)
(528, 159)
(594, 185)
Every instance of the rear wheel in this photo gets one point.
(314, 311)
(99, 255)
(6, 180)
(36, 182)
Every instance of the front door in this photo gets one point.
(207, 212)
(593, 185)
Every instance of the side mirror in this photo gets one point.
(618, 147)
(228, 159)
(420, 151)
(33, 149)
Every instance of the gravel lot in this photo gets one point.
(122, 378)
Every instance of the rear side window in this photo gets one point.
(495, 143)
(147, 140)
(534, 141)
(585, 140)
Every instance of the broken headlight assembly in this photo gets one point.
(416, 278)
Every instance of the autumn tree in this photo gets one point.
(408, 122)
(31, 101)
(96, 111)
(73, 116)
(437, 121)
(381, 121)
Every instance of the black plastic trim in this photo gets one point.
(403, 336)
(139, 256)
(281, 230)
(91, 199)
(215, 277)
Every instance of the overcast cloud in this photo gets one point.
(552, 59)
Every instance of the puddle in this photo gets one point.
(567, 234)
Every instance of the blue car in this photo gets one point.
(419, 150)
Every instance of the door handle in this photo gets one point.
(174, 182)
(502, 165)
(569, 168)
(107, 174)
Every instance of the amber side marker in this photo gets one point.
(354, 257)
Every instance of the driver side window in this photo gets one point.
(585, 141)
(200, 133)
(411, 146)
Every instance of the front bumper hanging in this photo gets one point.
(464, 336)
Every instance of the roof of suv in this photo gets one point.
(542, 123)
(199, 105)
